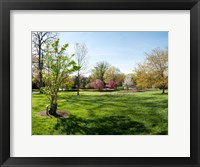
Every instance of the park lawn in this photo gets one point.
(103, 113)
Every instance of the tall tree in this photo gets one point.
(81, 60)
(57, 67)
(114, 74)
(39, 42)
(99, 71)
(143, 77)
(154, 71)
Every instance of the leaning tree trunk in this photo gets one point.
(163, 91)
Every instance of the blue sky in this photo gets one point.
(120, 49)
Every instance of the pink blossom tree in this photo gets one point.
(112, 84)
(97, 84)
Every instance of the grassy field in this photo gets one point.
(103, 113)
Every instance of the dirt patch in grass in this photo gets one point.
(58, 114)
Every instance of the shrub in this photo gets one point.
(112, 84)
(97, 84)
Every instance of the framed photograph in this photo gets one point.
(99, 83)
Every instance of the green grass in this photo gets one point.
(103, 113)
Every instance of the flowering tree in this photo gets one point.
(97, 84)
(112, 84)
(128, 81)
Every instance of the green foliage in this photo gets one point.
(58, 67)
(114, 74)
(99, 71)
(153, 73)
(81, 81)
(34, 81)
(106, 113)
(144, 78)
(67, 83)
(39, 41)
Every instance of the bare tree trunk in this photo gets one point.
(53, 109)
(78, 84)
(102, 79)
(163, 91)
(40, 67)
(41, 82)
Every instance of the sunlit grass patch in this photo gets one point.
(103, 113)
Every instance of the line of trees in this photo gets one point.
(39, 42)
(152, 73)
(52, 70)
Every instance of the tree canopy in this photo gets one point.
(99, 70)
(114, 74)
(57, 68)
(154, 71)
(39, 41)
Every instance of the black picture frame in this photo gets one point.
(7, 5)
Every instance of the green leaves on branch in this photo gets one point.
(58, 67)
(154, 71)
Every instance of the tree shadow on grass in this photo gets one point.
(112, 125)
(149, 109)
